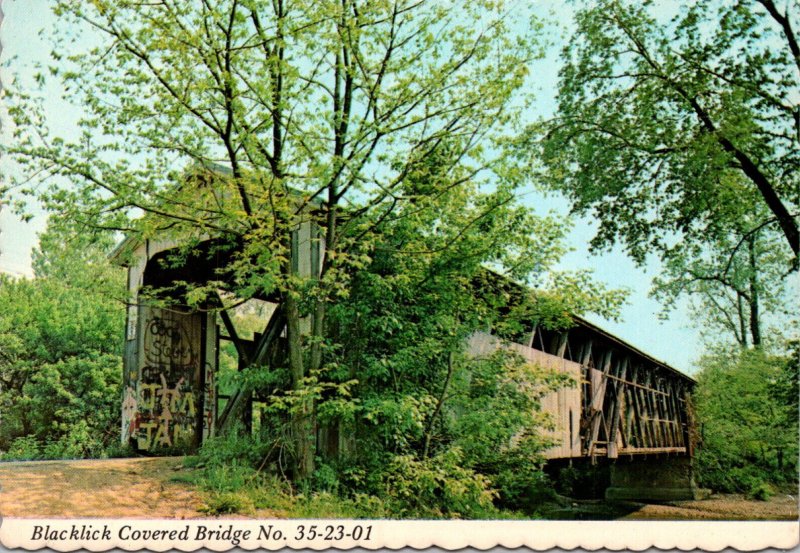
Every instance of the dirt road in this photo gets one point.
(144, 488)
(113, 488)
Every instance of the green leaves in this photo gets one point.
(656, 119)
(439, 487)
(60, 342)
(746, 403)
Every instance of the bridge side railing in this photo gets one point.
(623, 404)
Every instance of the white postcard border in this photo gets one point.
(191, 535)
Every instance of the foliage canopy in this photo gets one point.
(673, 131)
(383, 123)
(60, 358)
(746, 401)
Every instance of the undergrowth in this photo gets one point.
(227, 472)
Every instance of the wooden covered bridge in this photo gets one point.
(626, 408)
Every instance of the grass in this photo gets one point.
(232, 489)
(229, 486)
(270, 495)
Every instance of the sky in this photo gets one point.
(674, 341)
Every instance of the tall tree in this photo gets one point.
(319, 109)
(736, 281)
(661, 122)
(746, 401)
(404, 331)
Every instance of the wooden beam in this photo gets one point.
(647, 411)
(674, 408)
(630, 383)
(234, 336)
(670, 413)
(616, 409)
(662, 411)
(653, 409)
(629, 430)
(586, 353)
(682, 413)
(241, 397)
(636, 408)
(558, 345)
(533, 336)
(651, 450)
(596, 405)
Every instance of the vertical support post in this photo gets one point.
(616, 408)
(596, 407)
(636, 394)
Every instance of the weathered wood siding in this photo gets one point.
(163, 399)
(563, 406)
(170, 357)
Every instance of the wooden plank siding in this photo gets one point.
(564, 405)
(624, 402)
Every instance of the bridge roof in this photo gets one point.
(631, 348)
(591, 328)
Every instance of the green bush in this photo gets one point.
(118, 450)
(235, 447)
(580, 479)
(438, 487)
(523, 487)
(325, 478)
(226, 503)
(746, 406)
(61, 363)
(229, 478)
(26, 448)
(78, 441)
(761, 492)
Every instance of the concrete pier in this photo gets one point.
(653, 479)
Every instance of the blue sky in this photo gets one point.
(673, 341)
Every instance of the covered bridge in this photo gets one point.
(626, 409)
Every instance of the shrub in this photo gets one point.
(78, 441)
(325, 478)
(226, 503)
(229, 478)
(746, 403)
(581, 480)
(61, 366)
(234, 448)
(761, 492)
(436, 487)
(116, 450)
(522, 487)
(25, 448)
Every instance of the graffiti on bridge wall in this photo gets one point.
(168, 342)
(160, 407)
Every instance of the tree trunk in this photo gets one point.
(755, 323)
(438, 409)
(302, 422)
(742, 323)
